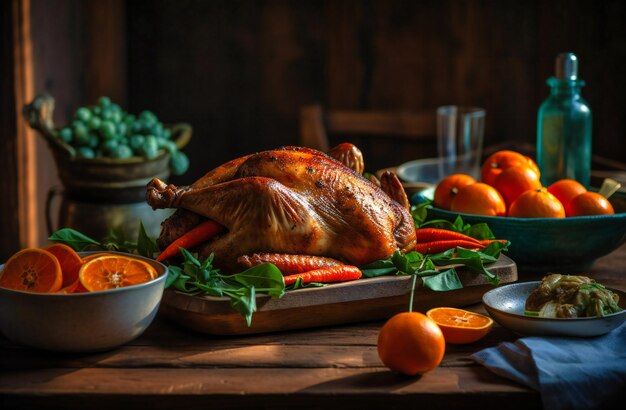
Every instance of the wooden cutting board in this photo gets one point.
(358, 301)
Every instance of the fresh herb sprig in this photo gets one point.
(425, 266)
(115, 241)
(199, 277)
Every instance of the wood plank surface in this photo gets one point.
(237, 381)
(240, 353)
(255, 388)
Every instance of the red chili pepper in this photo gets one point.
(341, 273)
(423, 235)
(440, 246)
(288, 264)
(201, 233)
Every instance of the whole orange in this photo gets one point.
(499, 161)
(411, 343)
(589, 203)
(448, 188)
(565, 190)
(514, 181)
(479, 199)
(533, 165)
(537, 203)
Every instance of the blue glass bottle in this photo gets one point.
(564, 127)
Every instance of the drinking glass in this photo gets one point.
(460, 133)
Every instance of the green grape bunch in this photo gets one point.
(106, 131)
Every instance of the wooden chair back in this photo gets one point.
(316, 124)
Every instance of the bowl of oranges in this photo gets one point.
(562, 227)
(56, 299)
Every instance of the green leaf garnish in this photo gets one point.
(74, 239)
(199, 277)
(443, 281)
(146, 245)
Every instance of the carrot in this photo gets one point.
(191, 238)
(435, 234)
(486, 242)
(440, 246)
(341, 273)
(288, 264)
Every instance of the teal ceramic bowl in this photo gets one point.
(561, 245)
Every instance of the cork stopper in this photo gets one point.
(567, 66)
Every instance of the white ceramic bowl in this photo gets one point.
(433, 170)
(81, 322)
(506, 305)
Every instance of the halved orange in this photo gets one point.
(80, 288)
(71, 288)
(32, 270)
(460, 326)
(69, 260)
(114, 271)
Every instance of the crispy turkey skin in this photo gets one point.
(290, 200)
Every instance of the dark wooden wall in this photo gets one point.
(10, 238)
(240, 70)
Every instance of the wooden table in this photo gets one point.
(170, 367)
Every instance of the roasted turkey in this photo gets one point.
(291, 201)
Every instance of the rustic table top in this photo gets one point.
(172, 367)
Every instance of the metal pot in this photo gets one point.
(101, 194)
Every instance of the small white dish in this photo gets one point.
(505, 305)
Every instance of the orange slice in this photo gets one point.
(96, 255)
(114, 271)
(69, 260)
(460, 326)
(71, 288)
(32, 270)
(79, 288)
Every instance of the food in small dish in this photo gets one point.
(506, 305)
(570, 296)
(81, 321)
(59, 269)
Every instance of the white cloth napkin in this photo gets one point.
(570, 373)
